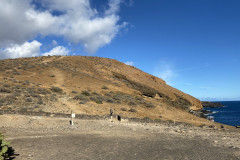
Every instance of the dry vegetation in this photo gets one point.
(90, 85)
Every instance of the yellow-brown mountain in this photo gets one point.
(91, 85)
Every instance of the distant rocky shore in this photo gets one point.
(203, 112)
(207, 104)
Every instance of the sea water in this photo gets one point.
(229, 114)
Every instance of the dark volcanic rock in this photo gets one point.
(207, 104)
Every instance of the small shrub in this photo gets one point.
(34, 95)
(27, 95)
(82, 102)
(138, 98)
(53, 97)
(149, 105)
(108, 94)
(104, 87)
(26, 83)
(17, 94)
(132, 110)
(131, 103)
(74, 92)
(56, 89)
(4, 148)
(51, 75)
(170, 121)
(123, 109)
(8, 100)
(147, 119)
(157, 120)
(12, 96)
(43, 91)
(31, 90)
(110, 100)
(18, 87)
(36, 106)
(117, 97)
(98, 100)
(24, 109)
(85, 93)
(95, 93)
(40, 102)
(29, 99)
(80, 97)
(118, 102)
(6, 85)
(5, 90)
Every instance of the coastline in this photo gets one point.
(226, 113)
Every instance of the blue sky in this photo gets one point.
(193, 45)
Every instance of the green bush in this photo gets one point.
(85, 93)
(104, 87)
(132, 110)
(110, 100)
(3, 148)
(40, 102)
(132, 103)
(74, 92)
(97, 99)
(149, 105)
(56, 89)
(81, 97)
(29, 99)
(7, 85)
(5, 90)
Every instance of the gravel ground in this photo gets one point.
(35, 137)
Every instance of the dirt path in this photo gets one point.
(53, 138)
(59, 76)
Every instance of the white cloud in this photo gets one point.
(130, 63)
(20, 22)
(78, 22)
(113, 7)
(54, 42)
(30, 49)
(166, 71)
(27, 49)
(59, 50)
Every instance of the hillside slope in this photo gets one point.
(91, 85)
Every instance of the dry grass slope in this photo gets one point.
(91, 85)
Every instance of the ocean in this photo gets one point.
(229, 114)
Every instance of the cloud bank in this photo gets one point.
(59, 50)
(75, 20)
(27, 49)
(30, 49)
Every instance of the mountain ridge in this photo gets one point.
(91, 85)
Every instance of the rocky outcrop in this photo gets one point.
(207, 104)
